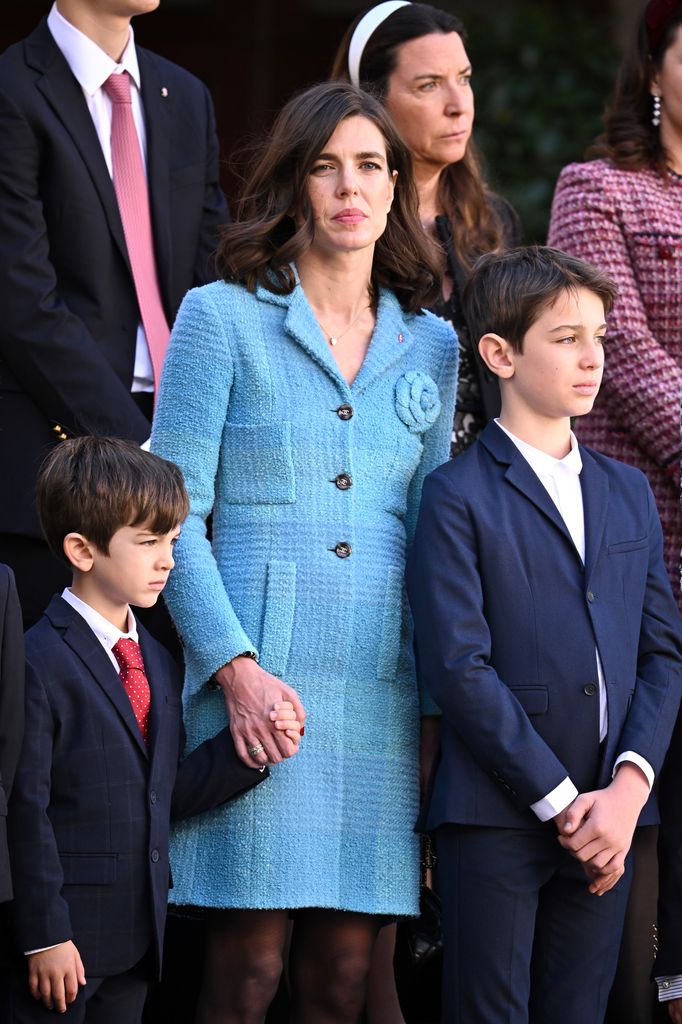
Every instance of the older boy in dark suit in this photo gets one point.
(547, 633)
(100, 774)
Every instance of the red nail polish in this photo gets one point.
(302, 729)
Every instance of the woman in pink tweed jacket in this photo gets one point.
(624, 213)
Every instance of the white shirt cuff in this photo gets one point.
(556, 801)
(669, 987)
(44, 949)
(641, 762)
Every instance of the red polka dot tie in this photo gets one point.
(131, 670)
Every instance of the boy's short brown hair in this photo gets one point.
(507, 291)
(96, 485)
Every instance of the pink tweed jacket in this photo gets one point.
(629, 223)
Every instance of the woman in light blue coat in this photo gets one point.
(305, 397)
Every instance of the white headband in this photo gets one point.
(364, 29)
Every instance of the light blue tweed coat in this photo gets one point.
(248, 409)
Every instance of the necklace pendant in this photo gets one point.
(333, 341)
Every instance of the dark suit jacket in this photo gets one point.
(507, 620)
(70, 315)
(11, 709)
(90, 809)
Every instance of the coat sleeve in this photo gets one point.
(658, 686)
(188, 428)
(453, 646)
(642, 382)
(48, 349)
(436, 451)
(11, 681)
(41, 913)
(210, 775)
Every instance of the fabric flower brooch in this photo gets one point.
(416, 400)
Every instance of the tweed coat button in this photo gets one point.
(342, 549)
(589, 689)
(345, 412)
(155, 856)
(343, 481)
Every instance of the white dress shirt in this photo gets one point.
(105, 631)
(108, 635)
(561, 480)
(91, 67)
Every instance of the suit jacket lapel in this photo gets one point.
(595, 487)
(65, 97)
(84, 643)
(157, 115)
(524, 479)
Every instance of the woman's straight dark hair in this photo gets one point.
(464, 197)
(273, 222)
(630, 140)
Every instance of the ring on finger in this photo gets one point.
(255, 750)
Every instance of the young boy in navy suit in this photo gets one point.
(547, 633)
(99, 776)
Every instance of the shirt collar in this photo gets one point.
(105, 631)
(90, 65)
(545, 464)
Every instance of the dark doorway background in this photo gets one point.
(542, 72)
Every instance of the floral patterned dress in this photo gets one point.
(478, 394)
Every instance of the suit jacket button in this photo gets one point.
(589, 689)
(342, 549)
(345, 412)
(590, 596)
(343, 481)
(155, 856)
(152, 796)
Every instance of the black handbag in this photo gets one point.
(418, 958)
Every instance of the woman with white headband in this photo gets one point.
(412, 57)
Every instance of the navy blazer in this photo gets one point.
(70, 315)
(91, 805)
(507, 619)
(11, 709)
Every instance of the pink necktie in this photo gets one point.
(130, 185)
(133, 676)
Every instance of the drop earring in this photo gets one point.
(656, 113)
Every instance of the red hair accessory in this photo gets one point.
(658, 14)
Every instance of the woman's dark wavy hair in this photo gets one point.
(264, 240)
(630, 140)
(464, 197)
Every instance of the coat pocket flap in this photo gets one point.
(89, 868)
(533, 699)
(628, 545)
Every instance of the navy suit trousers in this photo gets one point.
(524, 940)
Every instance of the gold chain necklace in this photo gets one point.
(335, 339)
